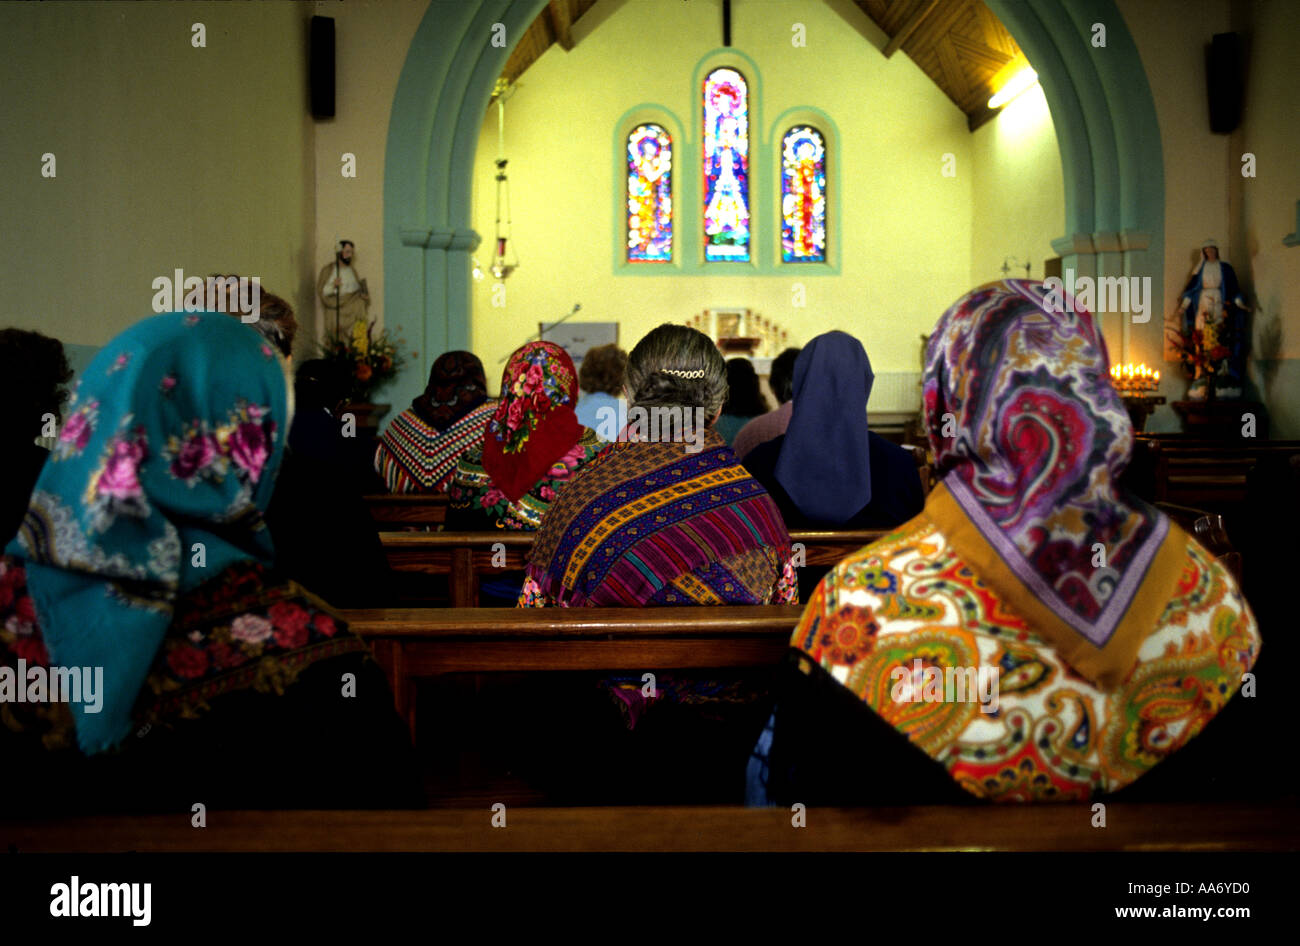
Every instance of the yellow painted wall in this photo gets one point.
(905, 229)
(168, 156)
(1019, 193)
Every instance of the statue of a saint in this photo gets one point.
(1213, 328)
(342, 290)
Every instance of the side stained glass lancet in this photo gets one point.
(726, 166)
(649, 195)
(803, 196)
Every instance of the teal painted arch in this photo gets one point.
(1101, 105)
(1104, 113)
(438, 108)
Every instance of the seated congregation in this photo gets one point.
(192, 533)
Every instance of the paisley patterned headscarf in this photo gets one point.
(456, 386)
(156, 483)
(1030, 439)
(534, 423)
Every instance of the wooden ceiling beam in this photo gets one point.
(561, 18)
(910, 24)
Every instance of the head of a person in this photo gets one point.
(320, 383)
(1210, 250)
(157, 482)
(539, 379)
(745, 396)
(456, 386)
(675, 366)
(534, 424)
(273, 318)
(781, 378)
(34, 373)
(603, 369)
(346, 251)
(1013, 381)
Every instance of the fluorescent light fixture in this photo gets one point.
(1022, 80)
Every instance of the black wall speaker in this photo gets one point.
(321, 66)
(1225, 80)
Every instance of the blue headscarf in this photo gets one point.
(156, 483)
(825, 461)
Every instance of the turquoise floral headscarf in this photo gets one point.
(156, 483)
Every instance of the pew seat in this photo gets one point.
(1198, 827)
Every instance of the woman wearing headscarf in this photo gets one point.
(858, 479)
(1036, 633)
(532, 445)
(419, 450)
(143, 566)
(745, 399)
(666, 516)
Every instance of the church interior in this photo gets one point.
(868, 182)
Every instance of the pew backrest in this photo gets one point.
(466, 557)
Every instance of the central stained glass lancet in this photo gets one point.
(803, 196)
(649, 195)
(726, 166)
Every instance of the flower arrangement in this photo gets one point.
(1204, 352)
(370, 358)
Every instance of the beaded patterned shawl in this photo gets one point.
(657, 524)
(413, 456)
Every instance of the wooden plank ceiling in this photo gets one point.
(959, 44)
(553, 25)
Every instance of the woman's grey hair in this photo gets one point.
(677, 366)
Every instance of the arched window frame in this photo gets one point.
(671, 172)
(746, 173)
(792, 254)
(650, 113)
(791, 118)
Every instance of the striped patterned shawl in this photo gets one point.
(655, 524)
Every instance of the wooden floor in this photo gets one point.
(1199, 827)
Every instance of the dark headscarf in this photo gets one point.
(456, 386)
(825, 461)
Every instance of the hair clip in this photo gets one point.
(681, 373)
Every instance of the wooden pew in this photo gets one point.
(467, 556)
(1208, 474)
(392, 511)
(411, 643)
(1203, 827)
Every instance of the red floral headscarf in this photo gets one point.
(534, 423)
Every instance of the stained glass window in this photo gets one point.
(649, 195)
(803, 196)
(726, 166)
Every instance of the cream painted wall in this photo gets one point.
(906, 230)
(1171, 36)
(1205, 195)
(371, 38)
(1264, 207)
(168, 157)
(1019, 193)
